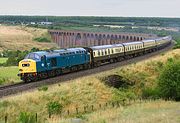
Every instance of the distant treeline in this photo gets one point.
(138, 21)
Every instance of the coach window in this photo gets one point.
(94, 53)
(105, 52)
(102, 52)
(112, 51)
(108, 51)
(98, 53)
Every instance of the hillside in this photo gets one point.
(22, 38)
(146, 112)
(91, 90)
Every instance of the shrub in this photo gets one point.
(41, 39)
(122, 94)
(26, 117)
(43, 88)
(54, 107)
(2, 80)
(152, 93)
(169, 80)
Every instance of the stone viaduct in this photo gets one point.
(66, 39)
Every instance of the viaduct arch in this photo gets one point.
(66, 39)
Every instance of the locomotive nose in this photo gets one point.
(27, 66)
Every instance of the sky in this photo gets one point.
(120, 8)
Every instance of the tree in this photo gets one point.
(169, 80)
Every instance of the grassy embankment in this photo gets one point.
(8, 74)
(146, 112)
(3, 60)
(91, 90)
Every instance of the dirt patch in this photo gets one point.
(116, 81)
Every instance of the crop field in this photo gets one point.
(22, 38)
(92, 90)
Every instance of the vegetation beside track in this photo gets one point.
(8, 75)
(150, 111)
(141, 78)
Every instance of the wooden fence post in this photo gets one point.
(100, 106)
(77, 112)
(36, 117)
(49, 115)
(68, 112)
(92, 107)
(123, 101)
(84, 109)
(117, 104)
(5, 119)
(113, 104)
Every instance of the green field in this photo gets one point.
(3, 60)
(8, 75)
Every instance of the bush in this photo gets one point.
(169, 80)
(2, 80)
(26, 117)
(54, 107)
(122, 94)
(151, 93)
(41, 39)
(43, 88)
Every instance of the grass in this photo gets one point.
(8, 75)
(22, 38)
(3, 60)
(149, 112)
(91, 90)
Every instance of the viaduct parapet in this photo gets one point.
(66, 39)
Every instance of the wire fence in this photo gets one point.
(73, 112)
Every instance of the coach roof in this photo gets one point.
(106, 46)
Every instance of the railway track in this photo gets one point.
(22, 87)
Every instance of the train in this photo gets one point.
(45, 64)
